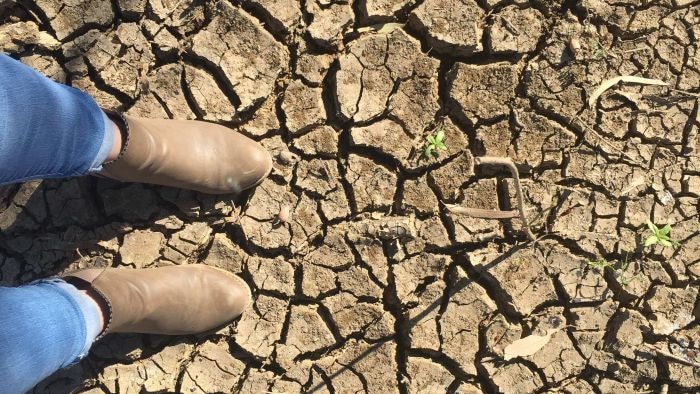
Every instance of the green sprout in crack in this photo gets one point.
(659, 236)
(622, 269)
(619, 269)
(598, 51)
(435, 143)
(600, 263)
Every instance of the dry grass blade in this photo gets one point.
(528, 346)
(607, 84)
(671, 356)
(481, 213)
(382, 28)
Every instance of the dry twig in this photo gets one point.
(672, 356)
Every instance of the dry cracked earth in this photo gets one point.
(372, 285)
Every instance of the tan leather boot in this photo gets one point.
(187, 154)
(177, 300)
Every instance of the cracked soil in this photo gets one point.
(372, 285)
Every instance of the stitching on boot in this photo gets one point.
(82, 284)
(108, 324)
(118, 118)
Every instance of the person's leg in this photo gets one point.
(48, 130)
(49, 324)
(44, 326)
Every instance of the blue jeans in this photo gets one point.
(47, 130)
(44, 326)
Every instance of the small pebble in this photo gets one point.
(683, 342)
(554, 321)
(667, 198)
(575, 46)
(287, 157)
(284, 213)
(674, 348)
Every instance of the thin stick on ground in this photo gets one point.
(606, 142)
(481, 213)
(672, 356)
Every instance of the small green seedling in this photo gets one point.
(600, 263)
(659, 236)
(598, 51)
(618, 268)
(621, 271)
(435, 143)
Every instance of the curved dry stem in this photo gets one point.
(507, 162)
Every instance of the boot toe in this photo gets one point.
(259, 165)
(239, 298)
(234, 295)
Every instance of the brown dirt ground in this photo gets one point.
(373, 286)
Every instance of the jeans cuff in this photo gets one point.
(105, 147)
(89, 310)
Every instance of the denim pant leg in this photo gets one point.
(47, 130)
(44, 326)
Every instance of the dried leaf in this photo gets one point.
(382, 28)
(481, 213)
(636, 182)
(528, 346)
(607, 84)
